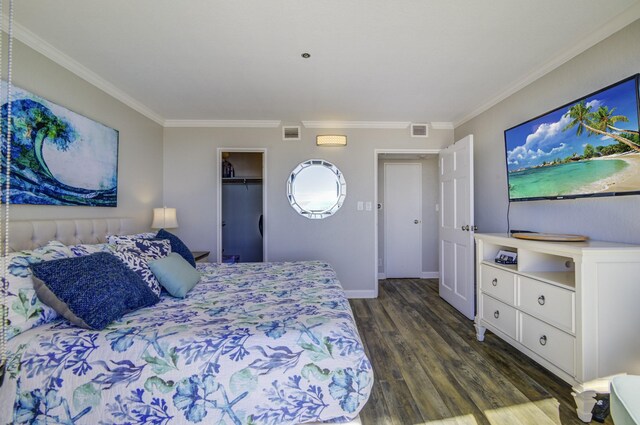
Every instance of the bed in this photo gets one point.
(252, 343)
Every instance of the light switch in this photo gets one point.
(360, 205)
(367, 206)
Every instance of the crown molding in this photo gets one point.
(223, 123)
(444, 125)
(357, 124)
(609, 28)
(27, 37)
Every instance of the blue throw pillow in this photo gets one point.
(91, 291)
(175, 274)
(137, 263)
(177, 246)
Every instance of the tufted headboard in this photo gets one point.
(35, 233)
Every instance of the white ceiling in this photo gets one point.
(371, 60)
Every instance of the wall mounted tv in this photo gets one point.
(589, 147)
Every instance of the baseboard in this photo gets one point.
(423, 275)
(361, 294)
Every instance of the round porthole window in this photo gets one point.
(316, 189)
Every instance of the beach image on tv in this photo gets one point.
(589, 147)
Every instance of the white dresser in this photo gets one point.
(573, 307)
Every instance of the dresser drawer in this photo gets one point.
(498, 283)
(547, 302)
(551, 343)
(500, 315)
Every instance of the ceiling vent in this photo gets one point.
(290, 132)
(419, 130)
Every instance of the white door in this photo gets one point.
(457, 278)
(402, 220)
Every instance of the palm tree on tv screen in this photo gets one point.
(597, 122)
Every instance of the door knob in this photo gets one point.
(416, 221)
(465, 228)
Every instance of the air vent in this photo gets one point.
(419, 130)
(290, 133)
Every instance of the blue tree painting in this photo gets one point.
(58, 157)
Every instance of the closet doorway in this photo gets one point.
(241, 205)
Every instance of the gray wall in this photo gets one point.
(140, 165)
(612, 219)
(430, 253)
(346, 240)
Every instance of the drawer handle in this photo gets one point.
(543, 340)
(496, 314)
(541, 300)
(494, 282)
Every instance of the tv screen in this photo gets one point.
(589, 147)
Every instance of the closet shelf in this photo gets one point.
(241, 180)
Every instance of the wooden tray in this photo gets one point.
(550, 237)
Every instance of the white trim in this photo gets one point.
(612, 26)
(407, 151)
(27, 37)
(442, 125)
(357, 124)
(361, 294)
(218, 172)
(382, 276)
(376, 201)
(223, 123)
(423, 275)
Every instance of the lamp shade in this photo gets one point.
(164, 218)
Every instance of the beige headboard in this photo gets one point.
(36, 233)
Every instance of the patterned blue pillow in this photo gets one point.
(24, 309)
(135, 260)
(123, 239)
(177, 246)
(86, 249)
(91, 291)
(149, 249)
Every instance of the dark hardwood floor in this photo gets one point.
(430, 369)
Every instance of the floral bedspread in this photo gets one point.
(254, 343)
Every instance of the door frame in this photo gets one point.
(376, 158)
(218, 172)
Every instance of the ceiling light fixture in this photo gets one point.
(331, 140)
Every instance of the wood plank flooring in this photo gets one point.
(430, 369)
